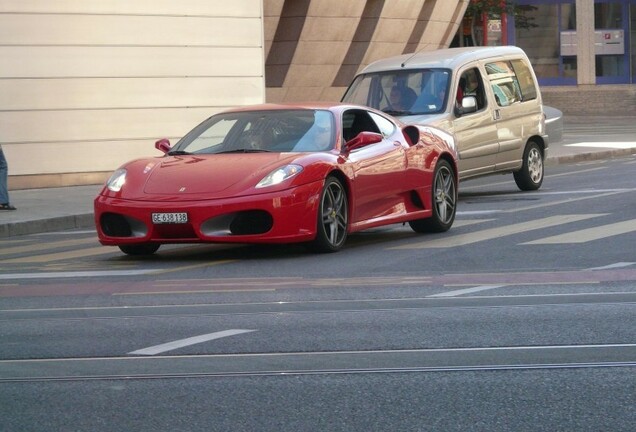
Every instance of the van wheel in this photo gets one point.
(139, 249)
(444, 191)
(530, 176)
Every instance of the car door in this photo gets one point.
(476, 132)
(377, 168)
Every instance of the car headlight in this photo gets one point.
(279, 175)
(117, 180)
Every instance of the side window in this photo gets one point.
(386, 126)
(504, 83)
(526, 81)
(355, 121)
(471, 84)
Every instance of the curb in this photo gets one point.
(47, 225)
(583, 157)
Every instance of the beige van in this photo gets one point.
(487, 97)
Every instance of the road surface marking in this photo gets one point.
(613, 266)
(589, 234)
(157, 349)
(39, 246)
(466, 291)
(55, 275)
(565, 201)
(58, 256)
(469, 222)
(67, 233)
(507, 182)
(610, 145)
(498, 232)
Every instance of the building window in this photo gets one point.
(609, 40)
(554, 63)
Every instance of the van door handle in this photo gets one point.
(496, 115)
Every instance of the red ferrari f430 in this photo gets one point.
(310, 173)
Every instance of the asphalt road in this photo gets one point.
(520, 318)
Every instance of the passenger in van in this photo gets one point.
(472, 87)
(460, 91)
(401, 98)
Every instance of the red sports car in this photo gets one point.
(279, 174)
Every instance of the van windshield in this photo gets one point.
(402, 92)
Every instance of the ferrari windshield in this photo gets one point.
(301, 130)
(402, 92)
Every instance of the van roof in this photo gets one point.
(450, 58)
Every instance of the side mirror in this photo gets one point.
(363, 139)
(469, 105)
(163, 145)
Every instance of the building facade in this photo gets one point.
(583, 51)
(87, 85)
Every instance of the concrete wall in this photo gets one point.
(88, 85)
(618, 100)
(314, 48)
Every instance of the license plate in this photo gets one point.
(169, 218)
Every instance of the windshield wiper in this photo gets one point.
(244, 150)
(178, 153)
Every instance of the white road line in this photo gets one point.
(52, 275)
(507, 182)
(611, 145)
(157, 349)
(613, 266)
(68, 233)
(585, 191)
(589, 234)
(466, 291)
(39, 247)
(489, 234)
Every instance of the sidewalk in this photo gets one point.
(56, 209)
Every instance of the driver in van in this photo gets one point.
(401, 98)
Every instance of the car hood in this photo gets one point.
(212, 175)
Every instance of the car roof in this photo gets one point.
(287, 106)
(448, 58)
(331, 106)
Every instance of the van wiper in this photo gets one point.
(397, 113)
(178, 153)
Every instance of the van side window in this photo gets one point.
(471, 84)
(504, 83)
(526, 81)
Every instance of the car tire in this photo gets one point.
(530, 176)
(333, 217)
(444, 199)
(139, 249)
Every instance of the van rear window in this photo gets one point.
(526, 81)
